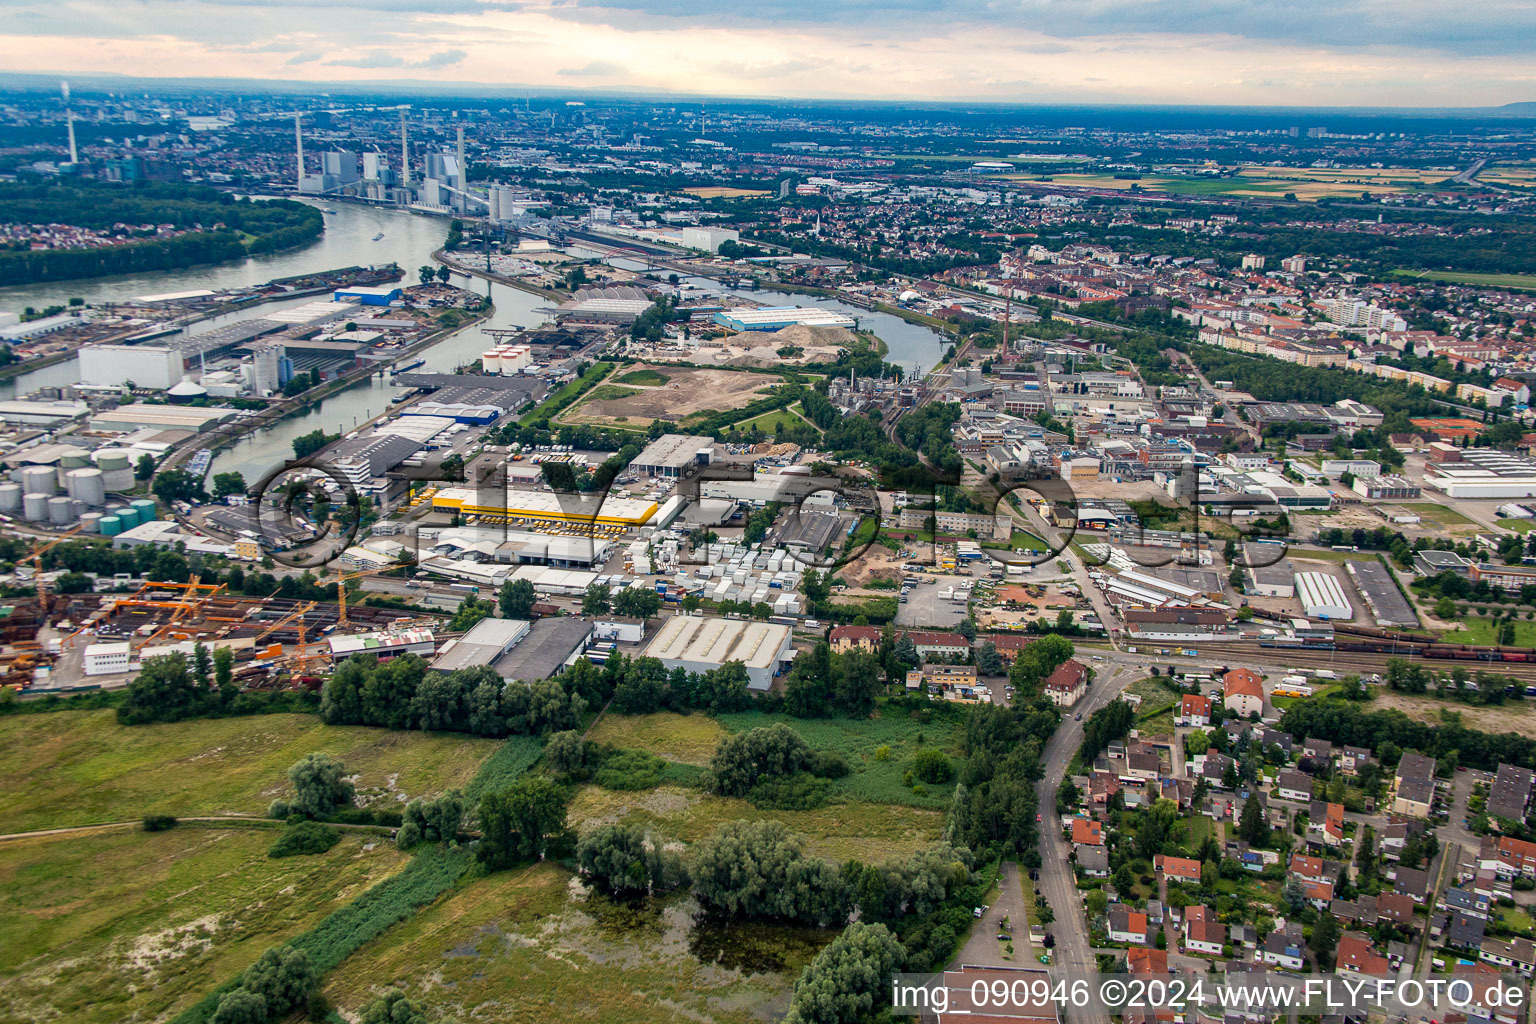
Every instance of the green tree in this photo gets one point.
(319, 785)
(224, 673)
(622, 859)
(744, 759)
(282, 978)
(760, 869)
(470, 612)
(988, 661)
(145, 467)
(240, 1006)
(595, 601)
(426, 273)
(849, 979)
(393, 1008)
(202, 664)
(517, 598)
(435, 820)
(569, 755)
(1251, 826)
(636, 602)
(520, 822)
(226, 484)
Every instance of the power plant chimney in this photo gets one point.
(405, 154)
(298, 138)
(69, 119)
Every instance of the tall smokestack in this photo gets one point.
(463, 203)
(405, 154)
(298, 139)
(69, 119)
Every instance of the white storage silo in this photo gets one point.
(92, 522)
(490, 362)
(10, 497)
(39, 480)
(35, 506)
(116, 469)
(61, 511)
(89, 485)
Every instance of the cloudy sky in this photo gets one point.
(1282, 52)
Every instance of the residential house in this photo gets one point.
(1214, 767)
(1465, 931)
(1352, 759)
(1293, 785)
(1067, 684)
(1516, 857)
(1309, 869)
(1325, 823)
(1355, 954)
(1128, 925)
(855, 638)
(1396, 907)
(1510, 794)
(1093, 861)
(1178, 869)
(1413, 788)
(1286, 947)
(1412, 882)
(1319, 894)
(940, 645)
(1488, 1001)
(1516, 954)
(1202, 932)
(1243, 691)
(1087, 832)
(1319, 752)
(1194, 710)
(1143, 961)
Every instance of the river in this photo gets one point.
(409, 240)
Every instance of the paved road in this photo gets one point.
(1057, 882)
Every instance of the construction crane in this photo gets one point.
(343, 578)
(298, 613)
(37, 565)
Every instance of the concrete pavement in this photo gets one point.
(982, 947)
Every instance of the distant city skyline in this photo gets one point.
(1309, 53)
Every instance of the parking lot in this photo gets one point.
(925, 607)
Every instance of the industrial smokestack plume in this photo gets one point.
(405, 154)
(298, 138)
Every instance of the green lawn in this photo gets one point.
(81, 767)
(1491, 280)
(875, 778)
(689, 739)
(127, 925)
(1518, 525)
(1517, 919)
(532, 945)
(1482, 631)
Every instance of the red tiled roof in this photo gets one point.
(1243, 682)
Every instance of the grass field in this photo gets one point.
(1261, 186)
(838, 831)
(81, 767)
(875, 778)
(768, 422)
(1482, 631)
(127, 925)
(1154, 697)
(1488, 280)
(689, 739)
(725, 192)
(1438, 513)
(645, 378)
(611, 392)
(535, 945)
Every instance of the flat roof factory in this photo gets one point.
(776, 318)
(546, 505)
(702, 644)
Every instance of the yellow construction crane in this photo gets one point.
(37, 565)
(298, 613)
(343, 578)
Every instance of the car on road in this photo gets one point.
(1079, 717)
(978, 912)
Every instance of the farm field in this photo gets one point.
(839, 831)
(684, 393)
(1490, 280)
(1362, 175)
(535, 944)
(81, 767)
(127, 925)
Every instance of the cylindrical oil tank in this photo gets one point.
(61, 511)
(116, 465)
(39, 480)
(75, 459)
(92, 522)
(126, 515)
(89, 485)
(111, 526)
(10, 497)
(35, 506)
(146, 510)
(79, 507)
